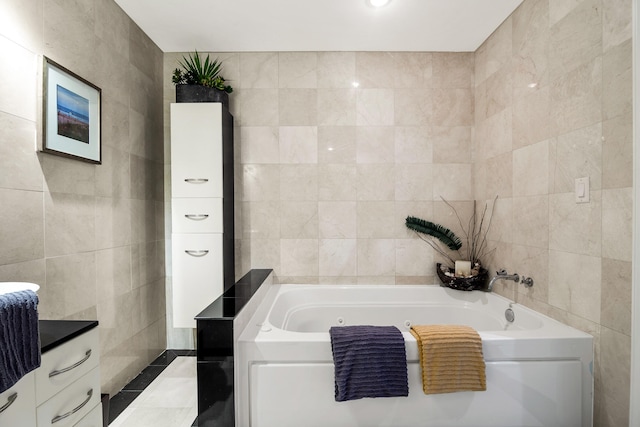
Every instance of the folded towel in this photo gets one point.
(19, 338)
(370, 361)
(451, 358)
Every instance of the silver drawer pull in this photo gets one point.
(75, 365)
(10, 400)
(196, 180)
(197, 217)
(74, 410)
(197, 253)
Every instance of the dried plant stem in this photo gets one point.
(436, 248)
(475, 232)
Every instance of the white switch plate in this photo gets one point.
(582, 190)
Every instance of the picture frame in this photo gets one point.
(72, 115)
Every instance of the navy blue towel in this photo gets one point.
(19, 338)
(370, 361)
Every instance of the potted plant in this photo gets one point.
(200, 81)
(464, 270)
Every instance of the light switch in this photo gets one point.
(582, 190)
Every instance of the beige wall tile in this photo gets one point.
(69, 224)
(18, 159)
(298, 107)
(414, 182)
(336, 144)
(531, 117)
(375, 69)
(452, 107)
(453, 70)
(375, 107)
(616, 23)
(375, 182)
(70, 287)
(337, 220)
(617, 224)
(575, 228)
(414, 258)
(413, 69)
(574, 155)
(260, 144)
(415, 107)
(375, 220)
(298, 69)
(258, 107)
(575, 284)
(531, 221)
(20, 72)
(337, 257)
(336, 69)
(261, 220)
(299, 220)
(258, 70)
(337, 182)
(452, 182)
(576, 98)
(576, 39)
(616, 295)
(261, 182)
(527, 164)
(413, 144)
(299, 182)
(21, 226)
(336, 107)
(299, 257)
(451, 144)
(374, 144)
(375, 258)
(615, 364)
(617, 80)
(617, 152)
(298, 144)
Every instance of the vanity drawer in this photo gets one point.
(66, 363)
(19, 403)
(71, 404)
(197, 215)
(92, 419)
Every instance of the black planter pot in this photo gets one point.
(198, 93)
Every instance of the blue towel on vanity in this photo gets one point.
(370, 361)
(19, 338)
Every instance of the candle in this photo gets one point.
(463, 268)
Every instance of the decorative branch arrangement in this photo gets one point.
(475, 235)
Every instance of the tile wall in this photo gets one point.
(553, 103)
(326, 172)
(90, 236)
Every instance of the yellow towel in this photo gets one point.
(450, 358)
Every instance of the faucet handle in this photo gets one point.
(501, 272)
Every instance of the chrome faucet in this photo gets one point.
(502, 275)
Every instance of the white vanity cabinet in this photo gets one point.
(65, 390)
(18, 404)
(201, 206)
(68, 381)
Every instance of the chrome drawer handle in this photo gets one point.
(196, 180)
(75, 365)
(197, 253)
(197, 217)
(10, 400)
(74, 410)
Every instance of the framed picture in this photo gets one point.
(72, 115)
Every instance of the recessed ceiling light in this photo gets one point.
(378, 3)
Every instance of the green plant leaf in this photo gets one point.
(446, 236)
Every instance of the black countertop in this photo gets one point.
(56, 332)
(229, 304)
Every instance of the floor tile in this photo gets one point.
(168, 401)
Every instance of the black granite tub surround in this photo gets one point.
(215, 352)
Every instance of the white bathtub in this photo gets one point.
(539, 371)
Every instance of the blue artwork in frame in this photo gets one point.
(72, 115)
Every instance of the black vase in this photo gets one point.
(198, 93)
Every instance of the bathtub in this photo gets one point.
(539, 371)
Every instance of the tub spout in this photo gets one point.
(502, 275)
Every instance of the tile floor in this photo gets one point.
(169, 400)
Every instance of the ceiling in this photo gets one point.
(318, 25)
